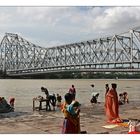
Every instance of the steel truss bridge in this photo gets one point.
(118, 53)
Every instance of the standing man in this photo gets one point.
(72, 91)
(112, 106)
(45, 90)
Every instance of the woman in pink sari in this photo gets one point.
(112, 106)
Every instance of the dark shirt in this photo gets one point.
(52, 99)
(46, 92)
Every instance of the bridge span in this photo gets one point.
(118, 53)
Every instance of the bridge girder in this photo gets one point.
(118, 51)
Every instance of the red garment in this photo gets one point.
(71, 124)
(12, 100)
(72, 90)
(111, 105)
(69, 127)
(134, 132)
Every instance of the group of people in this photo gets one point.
(71, 107)
(51, 99)
(112, 102)
(55, 100)
(123, 98)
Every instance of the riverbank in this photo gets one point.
(92, 120)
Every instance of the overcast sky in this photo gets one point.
(52, 26)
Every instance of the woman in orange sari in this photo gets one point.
(112, 106)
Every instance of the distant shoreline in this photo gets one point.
(70, 79)
(77, 75)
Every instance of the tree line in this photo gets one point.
(78, 75)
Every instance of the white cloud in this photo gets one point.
(4, 17)
(57, 25)
(50, 15)
(117, 18)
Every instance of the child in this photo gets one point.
(74, 108)
(59, 98)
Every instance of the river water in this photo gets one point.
(25, 90)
